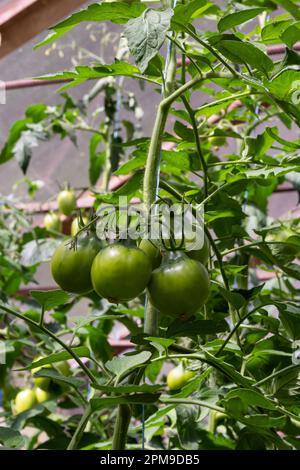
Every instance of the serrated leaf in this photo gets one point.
(237, 18)
(291, 34)
(38, 251)
(81, 351)
(51, 299)
(245, 53)
(271, 32)
(190, 11)
(116, 12)
(126, 363)
(146, 35)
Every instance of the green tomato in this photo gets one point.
(179, 287)
(178, 377)
(24, 400)
(75, 225)
(201, 255)
(120, 273)
(66, 201)
(152, 251)
(63, 368)
(217, 140)
(42, 395)
(41, 382)
(71, 267)
(52, 222)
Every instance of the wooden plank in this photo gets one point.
(21, 20)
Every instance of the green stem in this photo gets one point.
(210, 49)
(80, 429)
(238, 324)
(223, 100)
(121, 427)
(191, 113)
(276, 374)
(52, 335)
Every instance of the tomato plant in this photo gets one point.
(220, 151)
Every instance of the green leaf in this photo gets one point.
(161, 344)
(97, 159)
(138, 399)
(81, 351)
(197, 327)
(234, 298)
(290, 317)
(291, 35)
(129, 189)
(146, 35)
(271, 33)
(11, 438)
(57, 377)
(116, 12)
(29, 139)
(13, 136)
(133, 164)
(191, 10)
(265, 421)
(184, 132)
(84, 72)
(237, 18)
(285, 84)
(187, 426)
(38, 251)
(126, 363)
(289, 6)
(228, 370)
(250, 398)
(243, 53)
(51, 299)
(126, 389)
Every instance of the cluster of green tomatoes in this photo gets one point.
(177, 282)
(45, 388)
(66, 203)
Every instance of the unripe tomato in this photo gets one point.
(41, 382)
(66, 201)
(75, 225)
(24, 400)
(179, 287)
(152, 251)
(71, 266)
(201, 255)
(42, 395)
(63, 368)
(120, 273)
(52, 222)
(178, 377)
(217, 140)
